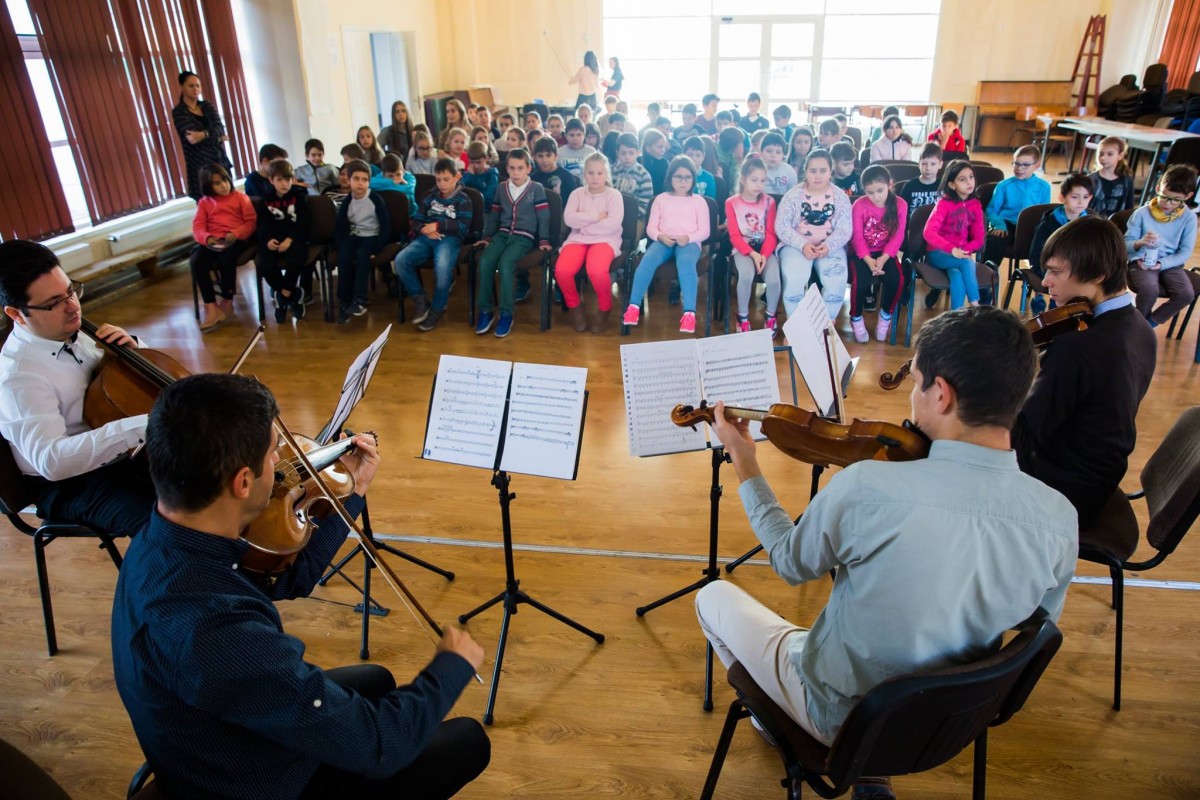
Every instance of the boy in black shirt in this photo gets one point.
(554, 179)
(845, 176)
(258, 183)
(281, 227)
(923, 191)
(1077, 427)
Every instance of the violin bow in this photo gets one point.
(254, 340)
(424, 620)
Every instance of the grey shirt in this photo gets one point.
(362, 217)
(935, 560)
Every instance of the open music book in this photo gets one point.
(805, 332)
(738, 369)
(524, 418)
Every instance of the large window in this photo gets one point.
(822, 51)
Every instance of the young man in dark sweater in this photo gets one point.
(1078, 425)
(281, 238)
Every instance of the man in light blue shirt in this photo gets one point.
(935, 558)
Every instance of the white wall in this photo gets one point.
(271, 61)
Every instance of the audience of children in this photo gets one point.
(1112, 182)
(1075, 195)
(751, 216)
(814, 226)
(782, 115)
(889, 111)
(354, 152)
(480, 175)
(437, 230)
(317, 176)
(591, 135)
(576, 152)
(924, 190)
(800, 145)
(829, 133)
(706, 183)
(361, 231)
(456, 146)
(707, 120)
(280, 233)
(880, 219)
(518, 221)
(677, 228)
(1160, 238)
(595, 214)
(689, 128)
(955, 232)
(554, 127)
(483, 136)
(894, 144)
(752, 121)
(654, 150)
(224, 222)
(630, 177)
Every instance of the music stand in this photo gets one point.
(353, 389)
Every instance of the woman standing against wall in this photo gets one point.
(200, 132)
(588, 79)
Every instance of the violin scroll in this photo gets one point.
(688, 416)
(891, 381)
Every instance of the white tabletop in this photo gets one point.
(1128, 130)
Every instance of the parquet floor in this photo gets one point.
(576, 719)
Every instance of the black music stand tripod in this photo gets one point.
(513, 595)
(711, 573)
(369, 605)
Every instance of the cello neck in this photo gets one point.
(130, 356)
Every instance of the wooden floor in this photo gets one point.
(576, 719)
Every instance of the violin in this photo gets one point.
(813, 439)
(285, 526)
(1074, 316)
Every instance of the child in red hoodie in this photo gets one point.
(955, 232)
(950, 138)
(224, 222)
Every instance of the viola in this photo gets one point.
(1074, 316)
(813, 439)
(285, 526)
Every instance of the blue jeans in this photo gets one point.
(443, 253)
(354, 268)
(964, 281)
(686, 256)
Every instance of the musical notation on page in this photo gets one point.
(739, 369)
(545, 420)
(467, 411)
(657, 377)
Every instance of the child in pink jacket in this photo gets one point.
(595, 213)
(955, 232)
(879, 222)
(224, 222)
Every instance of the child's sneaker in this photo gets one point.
(298, 307)
(486, 318)
(281, 306)
(420, 309)
(631, 316)
(770, 324)
(431, 320)
(743, 325)
(504, 326)
(524, 288)
(860, 330)
(687, 323)
(357, 309)
(882, 328)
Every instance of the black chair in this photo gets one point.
(706, 257)
(901, 170)
(907, 724)
(1171, 489)
(534, 259)
(425, 185)
(322, 216)
(857, 135)
(245, 256)
(397, 208)
(1022, 241)
(985, 173)
(24, 779)
(984, 192)
(16, 494)
(143, 787)
(466, 255)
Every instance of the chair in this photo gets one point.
(1027, 223)
(322, 217)
(706, 259)
(857, 135)
(984, 191)
(466, 256)
(1121, 220)
(907, 724)
(425, 185)
(24, 779)
(985, 173)
(534, 259)
(244, 258)
(901, 170)
(16, 494)
(1171, 489)
(143, 787)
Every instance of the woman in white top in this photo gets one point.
(588, 78)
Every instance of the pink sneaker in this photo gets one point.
(743, 326)
(860, 331)
(882, 329)
(631, 315)
(769, 325)
(687, 323)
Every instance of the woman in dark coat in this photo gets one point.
(200, 132)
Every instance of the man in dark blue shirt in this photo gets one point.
(222, 701)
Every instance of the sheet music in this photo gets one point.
(545, 418)
(355, 386)
(467, 411)
(659, 376)
(805, 332)
(739, 369)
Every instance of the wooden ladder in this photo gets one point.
(1086, 93)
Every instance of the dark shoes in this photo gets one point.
(431, 320)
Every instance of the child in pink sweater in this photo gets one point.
(751, 215)
(224, 222)
(955, 232)
(595, 213)
(879, 220)
(678, 226)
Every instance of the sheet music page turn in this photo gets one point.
(545, 416)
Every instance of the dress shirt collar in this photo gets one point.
(1112, 304)
(973, 455)
(25, 336)
(172, 537)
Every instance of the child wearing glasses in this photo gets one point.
(1159, 239)
(1012, 196)
(422, 158)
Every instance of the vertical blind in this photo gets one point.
(113, 66)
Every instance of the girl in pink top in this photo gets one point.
(678, 226)
(595, 214)
(879, 218)
(955, 232)
(751, 216)
(224, 222)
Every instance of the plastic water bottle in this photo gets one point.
(1150, 256)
